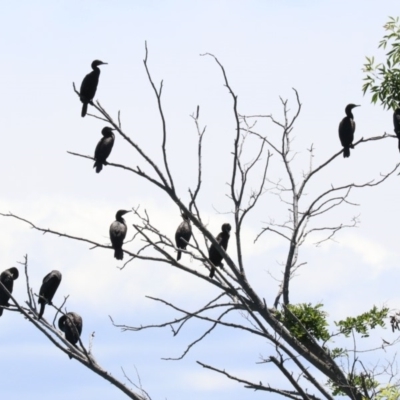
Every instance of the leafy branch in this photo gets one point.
(382, 80)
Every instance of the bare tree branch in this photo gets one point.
(57, 339)
(250, 385)
(160, 110)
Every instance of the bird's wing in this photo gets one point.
(7, 280)
(178, 234)
(50, 285)
(98, 147)
(396, 122)
(47, 277)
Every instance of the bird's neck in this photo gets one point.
(96, 71)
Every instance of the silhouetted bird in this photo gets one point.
(183, 235)
(49, 286)
(222, 239)
(396, 123)
(71, 325)
(103, 148)
(89, 85)
(346, 130)
(7, 278)
(117, 234)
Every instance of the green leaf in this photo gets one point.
(303, 320)
(383, 80)
(363, 323)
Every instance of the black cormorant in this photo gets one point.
(347, 127)
(49, 286)
(103, 148)
(71, 325)
(183, 235)
(222, 239)
(7, 278)
(117, 234)
(89, 85)
(396, 123)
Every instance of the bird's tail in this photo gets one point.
(119, 254)
(98, 165)
(212, 272)
(346, 152)
(178, 257)
(84, 109)
(42, 306)
(1, 311)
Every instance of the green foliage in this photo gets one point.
(364, 322)
(336, 352)
(388, 393)
(300, 316)
(383, 80)
(361, 382)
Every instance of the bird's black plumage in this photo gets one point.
(183, 235)
(89, 85)
(49, 286)
(118, 231)
(396, 123)
(7, 278)
(71, 325)
(213, 254)
(103, 148)
(347, 127)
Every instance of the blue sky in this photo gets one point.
(267, 48)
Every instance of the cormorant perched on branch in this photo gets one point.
(71, 325)
(49, 286)
(213, 253)
(183, 235)
(118, 231)
(346, 130)
(89, 85)
(396, 123)
(7, 278)
(103, 148)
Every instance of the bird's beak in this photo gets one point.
(103, 63)
(357, 105)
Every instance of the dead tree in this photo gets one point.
(300, 351)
